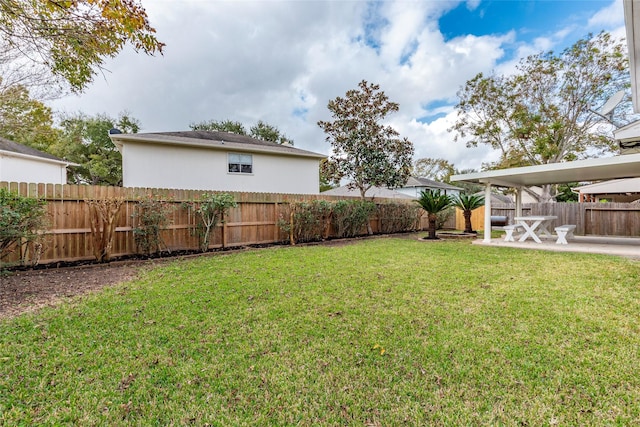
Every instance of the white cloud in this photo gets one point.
(282, 62)
(610, 16)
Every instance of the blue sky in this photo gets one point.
(282, 61)
(529, 18)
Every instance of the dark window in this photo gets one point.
(240, 163)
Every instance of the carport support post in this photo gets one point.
(519, 201)
(487, 213)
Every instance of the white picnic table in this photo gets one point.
(535, 226)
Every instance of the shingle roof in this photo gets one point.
(414, 181)
(14, 147)
(212, 139)
(378, 192)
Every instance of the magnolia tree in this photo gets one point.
(365, 151)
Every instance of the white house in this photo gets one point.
(19, 163)
(217, 161)
(411, 190)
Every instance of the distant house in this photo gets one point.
(415, 186)
(616, 190)
(411, 190)
(372, 193)
(19, 163)
(217, 161)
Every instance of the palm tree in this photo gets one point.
(467, 203)
(433, 202)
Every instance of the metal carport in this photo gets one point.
(622, 166)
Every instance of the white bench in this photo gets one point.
(563, 232)
(510, 229)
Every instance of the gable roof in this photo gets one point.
(415, 181)
(213, 140)
(18, 150)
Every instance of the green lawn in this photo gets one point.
(382, 332)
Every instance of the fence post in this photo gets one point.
(224, 232)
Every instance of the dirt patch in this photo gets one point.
(23, 291)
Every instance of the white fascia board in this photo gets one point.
(120, 139)
(5, 153)
(630, 132)
(631, 185)
(622, 166)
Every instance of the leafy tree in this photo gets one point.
(325, 180)
(364, 150)
(260, 130)
(468, 203)
(85, 140)
(72, 38)
(565, 194)
(220, 126)
(267, 132)
(433, 202)
(436, 169)
(26, 120)
(468, 187)
(541, 114)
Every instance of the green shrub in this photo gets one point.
(151, 217)
(210, 210)
(397, 217)
(308, 221)
(350, 217)
(21, 221)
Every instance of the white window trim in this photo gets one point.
(240, 162)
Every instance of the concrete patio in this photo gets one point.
(622, 246)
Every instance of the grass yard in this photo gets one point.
(382, 332)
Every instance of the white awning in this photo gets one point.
(623, 166)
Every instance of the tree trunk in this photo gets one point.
(467, 221)
(363, 191)
(432, 226)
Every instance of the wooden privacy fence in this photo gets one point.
(254, 221)
(596, 219)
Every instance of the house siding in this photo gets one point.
(19, 169)
(166, 166)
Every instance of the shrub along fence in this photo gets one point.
(98, 222)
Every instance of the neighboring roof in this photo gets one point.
(623, 166)
(11, 147)
(373, 192)
(628, 132)
(414, 181)
(497, 197)
(213, 140)
(616, 186)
